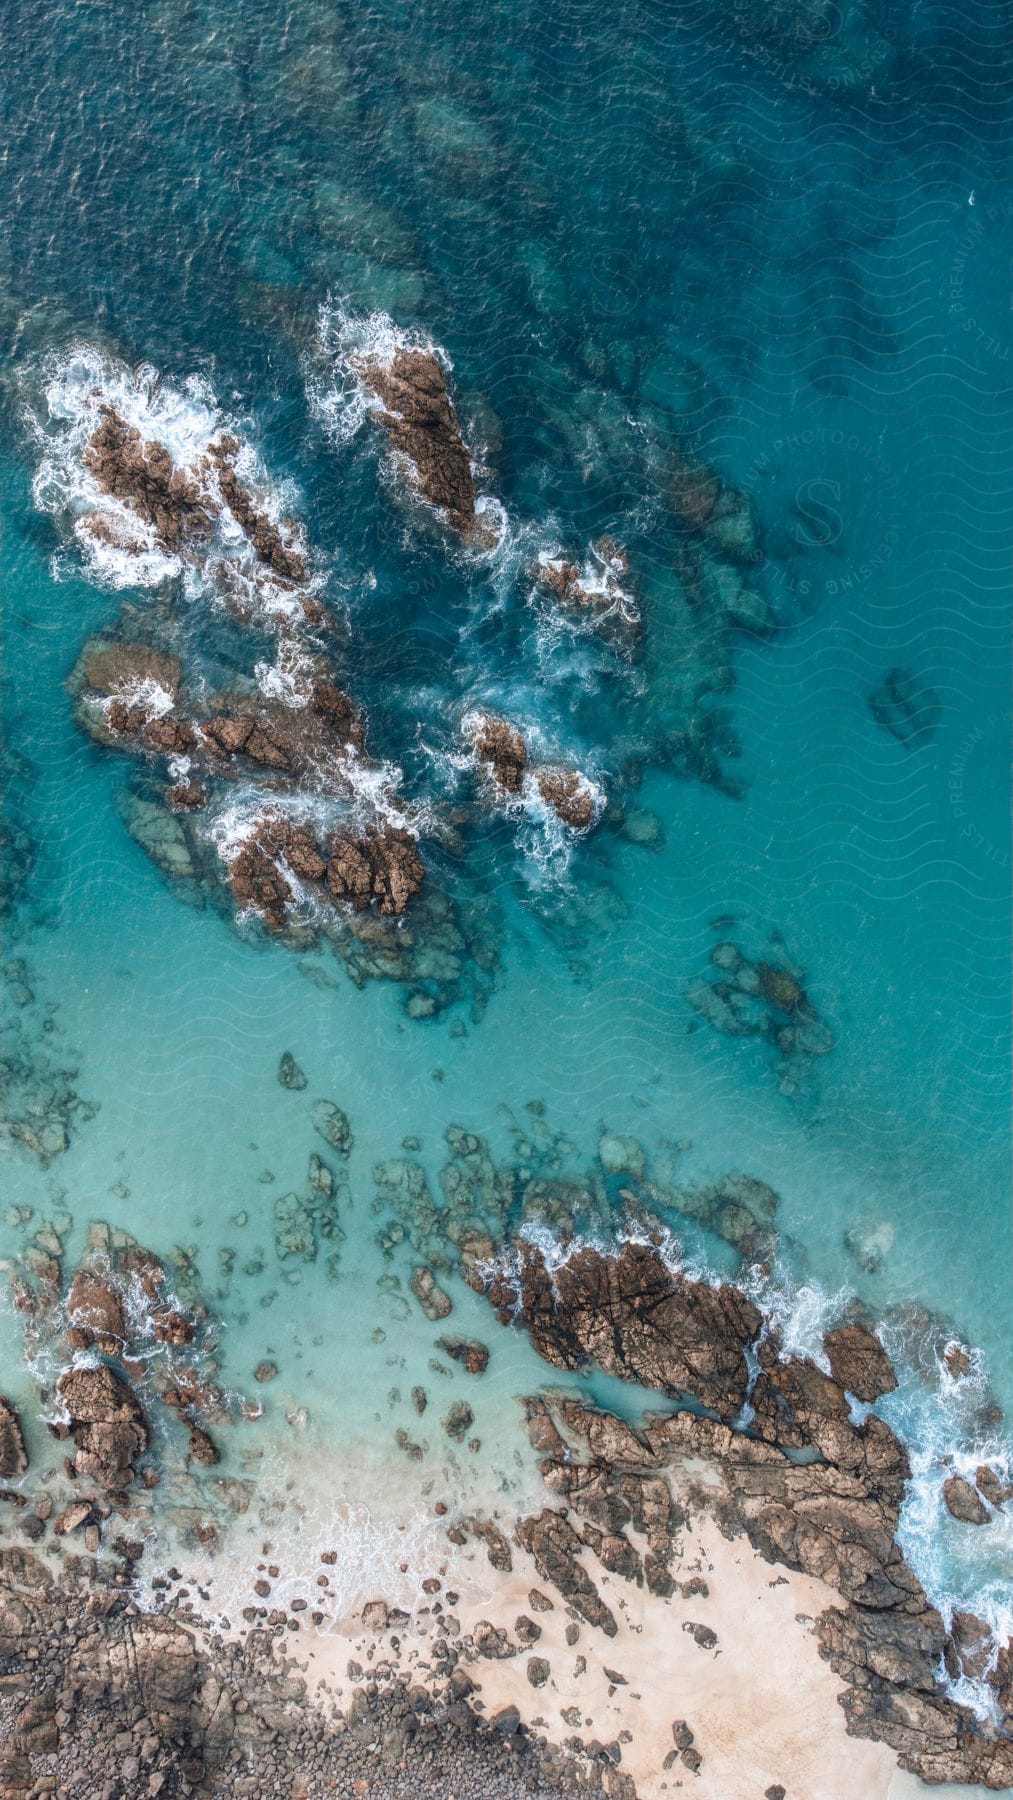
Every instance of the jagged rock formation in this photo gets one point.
(13, 1455)
(500, 749)
(144, 477)
(811, 1489)
(595, 592)
(633, 1317)
(421, 425)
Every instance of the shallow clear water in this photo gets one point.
(782, 245)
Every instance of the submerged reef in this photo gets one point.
(763, 996)
(906, 706)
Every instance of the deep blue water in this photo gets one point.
(777, 240)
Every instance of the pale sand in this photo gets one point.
(763, 1706)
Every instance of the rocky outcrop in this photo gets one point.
(766, 997)
(421, 425)
(500, 749)
(13, 1455)
(380, 868)
(159, 1706)
(117, 667)
(858, 1362)
(473, 1356)
(143, 476)
(266, 538)
(434, 1301)
(551, 1540)
(94, 1313)
(107, 1424)
(594, 592)
(503, 750)
(810, 1488)
(569, 794)
(963, 1502)
(636, 1318)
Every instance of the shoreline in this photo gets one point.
(714, 1594)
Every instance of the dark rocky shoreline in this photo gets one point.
(763, 1444)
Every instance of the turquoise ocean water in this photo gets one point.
(778, 240)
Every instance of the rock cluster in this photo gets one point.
(763, 997)
(500, 748)
(378, 867)
(595, 592)
(130, 1346)
(811, 1489)
(97, 1697)
(144, 476)
(13, 1455)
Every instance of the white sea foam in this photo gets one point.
(147, 693)
(119, 548)
(338, 397)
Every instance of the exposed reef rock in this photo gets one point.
(13, 1455)
(570, 796)
(635, 1318)
(858, 1362)
(263, 534)
(963, 1502)
(421, 425)
(502, 748)
(144, 477)
(906, 707)
(180, 505)
(106, 1422)
(131, 690)
(594, 592)
(811, 1489)
(499, 747)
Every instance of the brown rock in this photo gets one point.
(257, 882)
(266, 538)
(171, 1327)
(963, 1502)
(380, 867)
(996, 1491)
(502, 748)
(422, 426)
(144, 478)
(337, 712)
(637, 1319)
(185, 796)
(94, 1306)
(570, 796)
(13, 1455)
(551, 1540)
(107, 1424)
(859, 1363)
(468, 1351)
(200, 1449)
